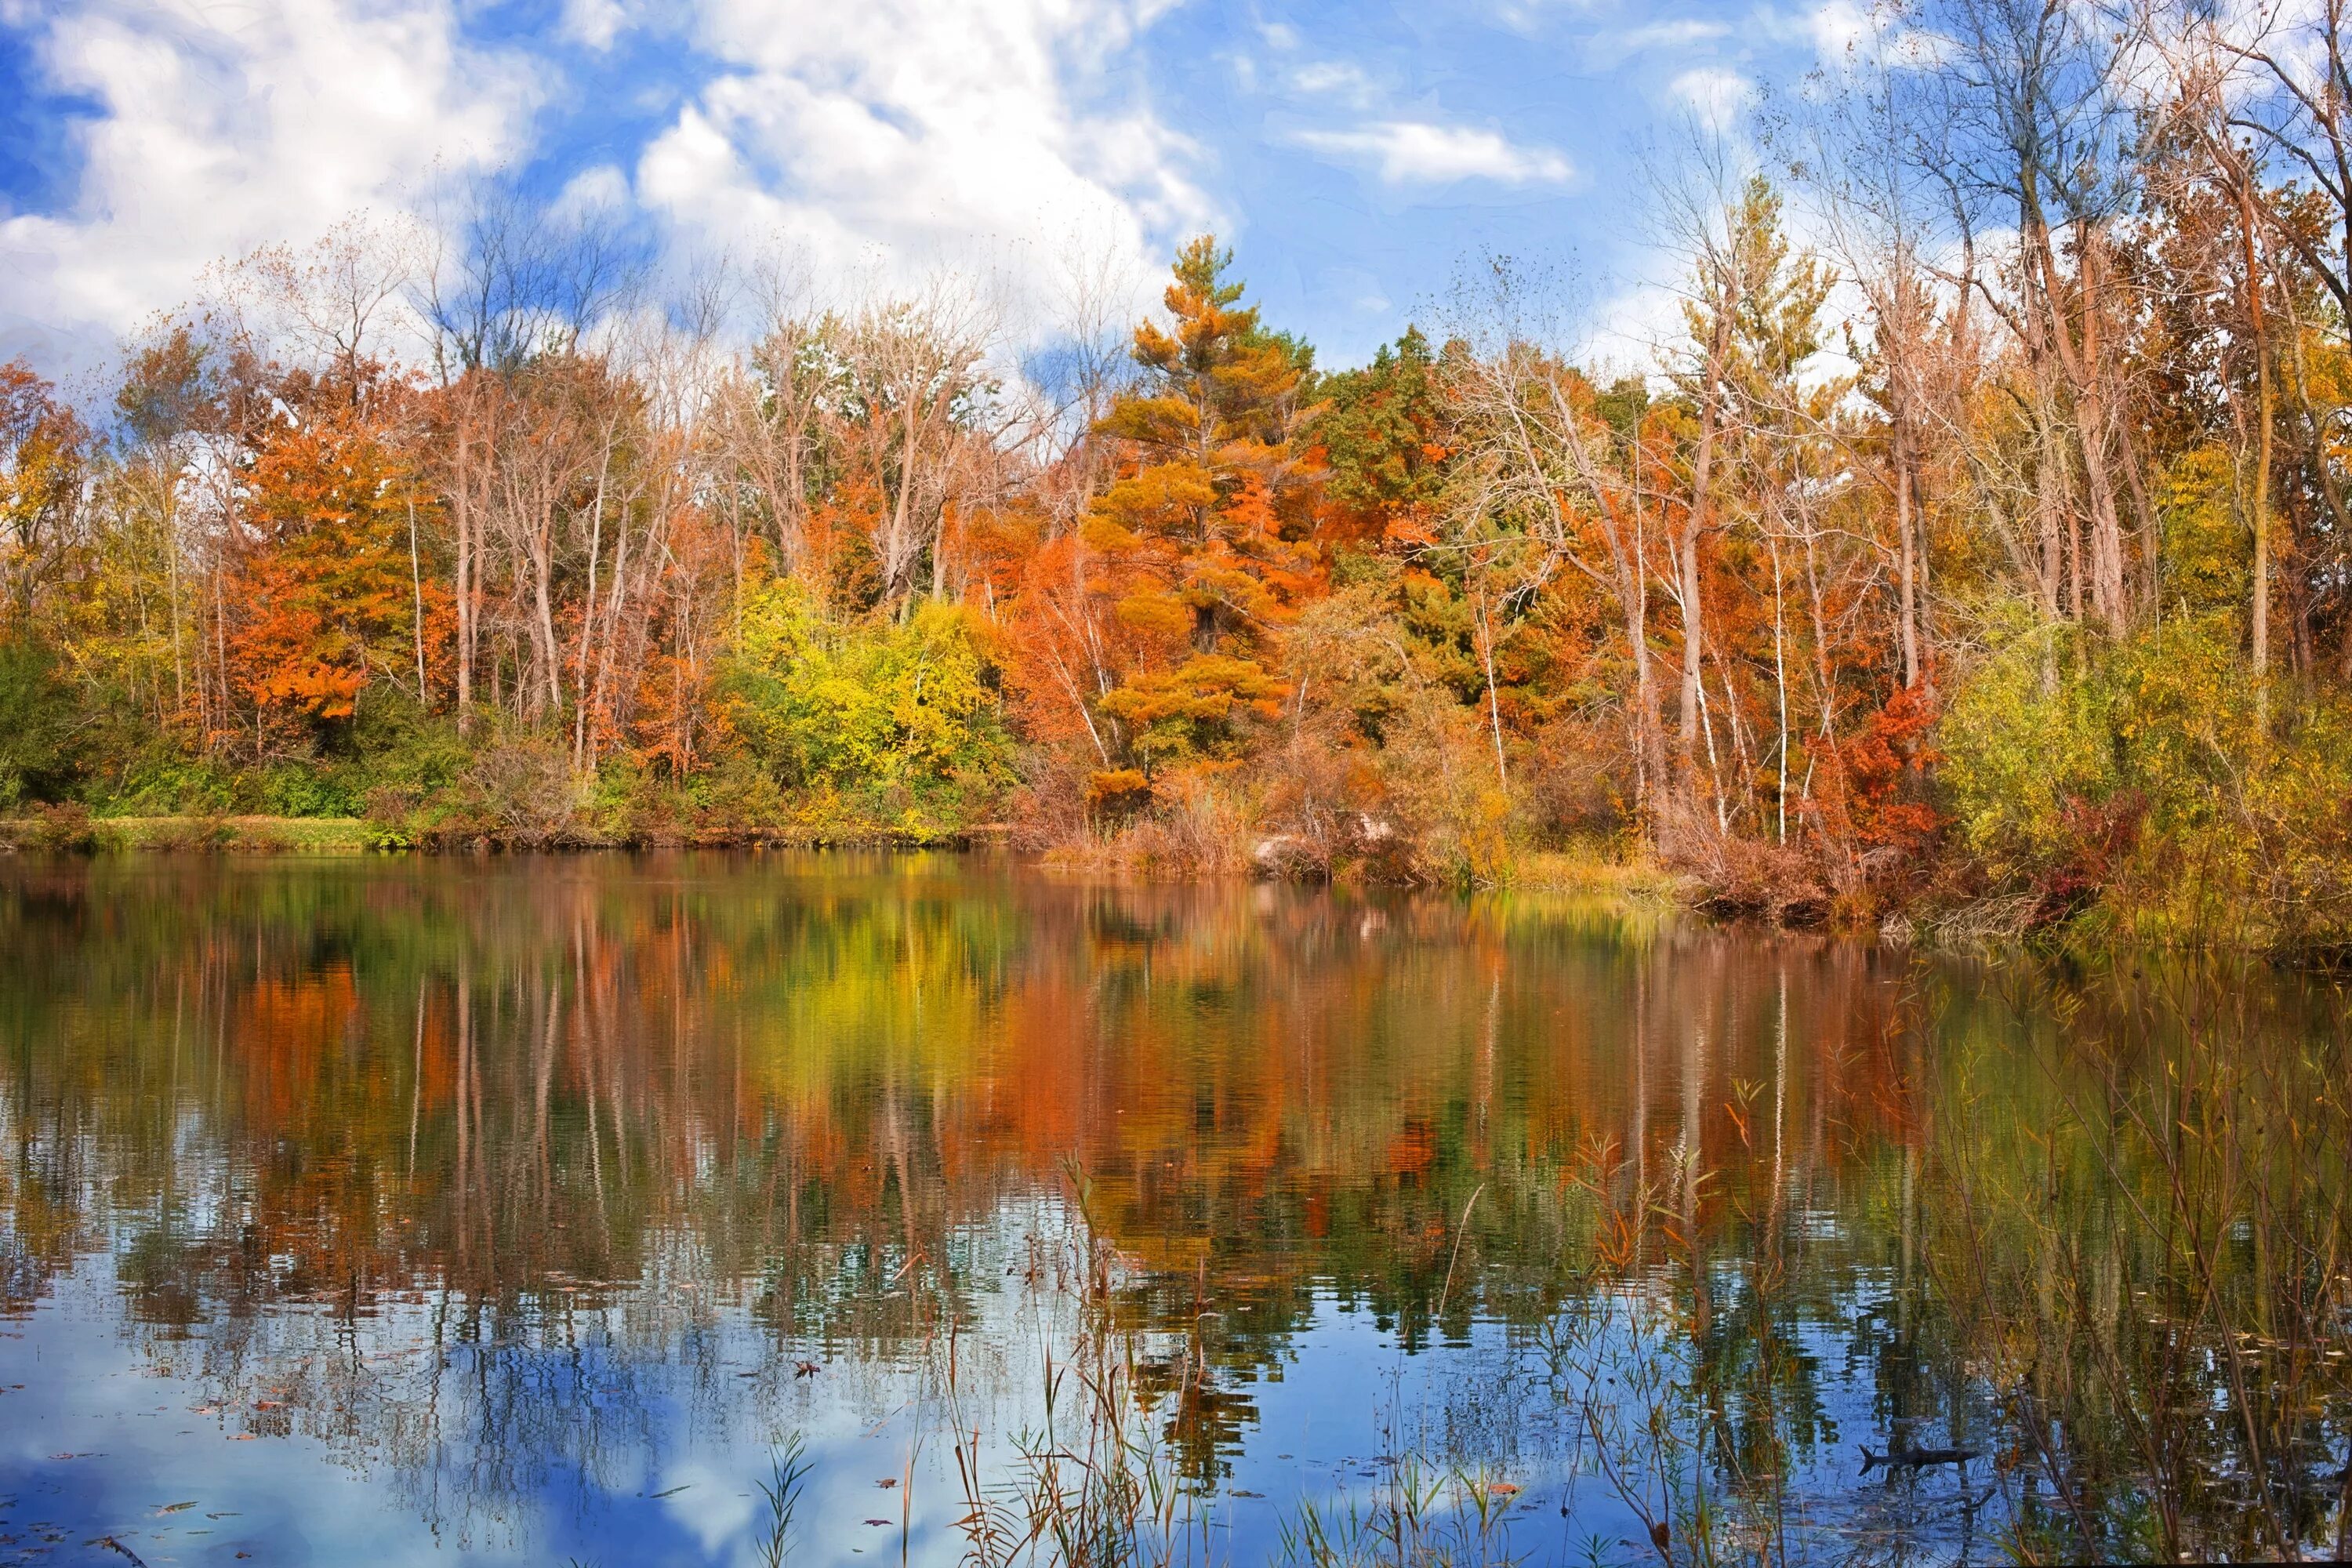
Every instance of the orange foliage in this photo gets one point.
(326, 587)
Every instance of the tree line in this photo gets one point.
(1975, 542)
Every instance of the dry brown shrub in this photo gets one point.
(519, 794)
(191, 834)
(1745, 878)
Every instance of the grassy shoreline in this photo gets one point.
(251, 835)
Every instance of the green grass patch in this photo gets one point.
(79, 832)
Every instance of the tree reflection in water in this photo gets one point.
(494, 1182)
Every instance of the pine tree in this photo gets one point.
(1208, 531)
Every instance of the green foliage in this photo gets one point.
(298, 789)
(1621, 406)
(393, 741)
(2143, 777)
(2026, 739)
(1380, 429)
(388, 745)
(41, 726)
(891, 727)
(161, 779)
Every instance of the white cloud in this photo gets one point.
(1610, 48)
(1839, 27)
(1843, 33)
(1416, 153)
(910, 135)
(229, 129)
(898, 136)
(595, 22)
(600, 189)
(1714, 95)
(1334, 79)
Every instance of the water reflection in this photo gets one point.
(522, 1206)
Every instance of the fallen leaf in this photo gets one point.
(176, 1506)
(887, 1482)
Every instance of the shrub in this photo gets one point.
(519, 792)
(303, 789)
(160, 780)
(2143, 778)
(41, 726)
(195, 833)
(890, 728)
(66, 828)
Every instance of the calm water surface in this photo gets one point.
(524, 1210)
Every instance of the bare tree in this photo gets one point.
(2032, 105)
(1537, 465)
(511, 281)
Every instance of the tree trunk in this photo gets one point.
(2258, 502)
(462, 495)
(1696, 521)
(1907, 576)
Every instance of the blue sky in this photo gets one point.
(1356, 156)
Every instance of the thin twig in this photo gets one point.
(1450, 1262)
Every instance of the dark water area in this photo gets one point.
(555, 1210)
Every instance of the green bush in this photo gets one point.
(2145, 779)
(41, 726)
(889, 727)
(158, 779)
(391, 741)
(306, 789)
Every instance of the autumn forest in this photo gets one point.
(1970, 547)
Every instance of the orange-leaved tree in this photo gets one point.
(41, 459)
(333, 592)
(1207, 533)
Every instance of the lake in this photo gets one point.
(622, 1210)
